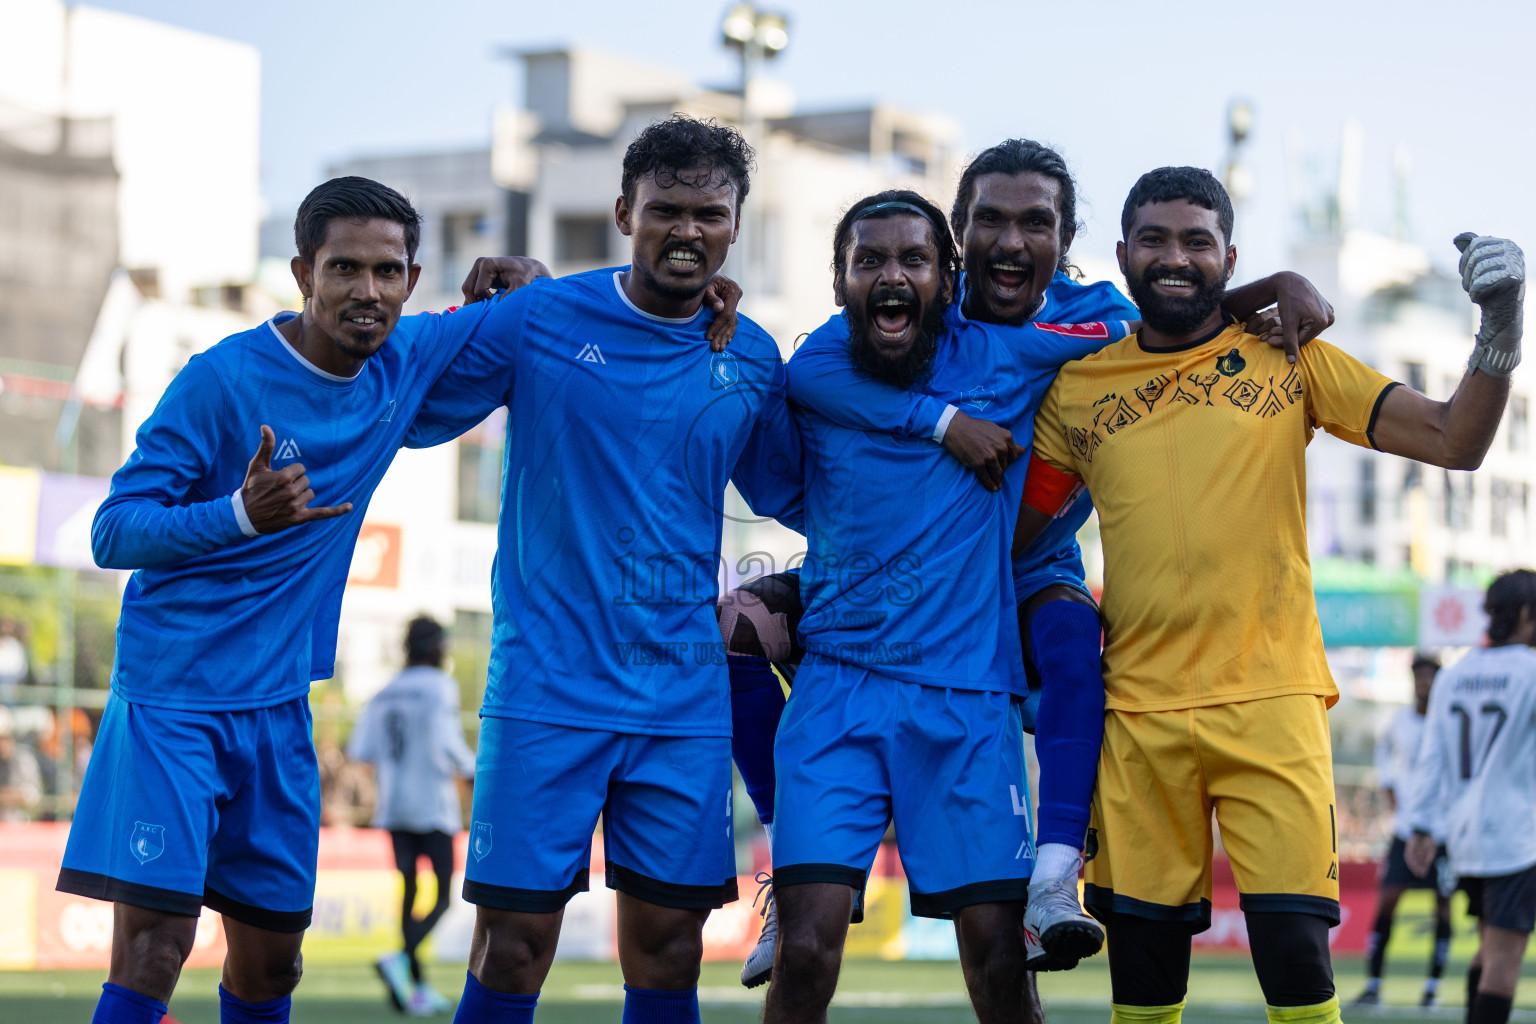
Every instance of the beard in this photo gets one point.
(913, 366)
(682, 292)
(1168, 315)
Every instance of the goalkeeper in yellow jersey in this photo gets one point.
(1191, 436)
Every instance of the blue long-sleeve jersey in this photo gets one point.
(1054, 556)
(908, 557)
(623, 430)
(214, 618)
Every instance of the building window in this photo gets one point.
(1519, 424)
(1367, 491)
(1413, 475)
(1458, 500)
(480, 453)
(582, 237)
(463, 241)
(1414, 376)
(1500, 495)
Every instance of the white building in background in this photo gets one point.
(545, 186)
(183, 109)
(1415, 325)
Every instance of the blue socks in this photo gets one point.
(119, 1005)
(757, 703)
(1069, 727)
(654, 1006)
(482, 1006)
(234, 1011)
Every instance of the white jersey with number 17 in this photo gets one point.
(1475, 777)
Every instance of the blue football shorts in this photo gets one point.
(185, 809)
(665, 803)
(857, 750)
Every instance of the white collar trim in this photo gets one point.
(618, 286)
(311, 367)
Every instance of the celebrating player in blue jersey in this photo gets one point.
(908, 705)
(605, 694)
(1015, 214)
(203, 788)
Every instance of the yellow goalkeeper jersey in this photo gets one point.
(1195, 459)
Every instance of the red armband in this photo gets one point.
(1049, 490)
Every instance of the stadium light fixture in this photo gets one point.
(757, 33)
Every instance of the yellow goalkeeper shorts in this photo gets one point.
(1264, 767)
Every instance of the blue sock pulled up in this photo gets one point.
(237, 1011)
(480, 1005)
(119, 1005)
(757, 704)
(1069, 727)
(657, 1006)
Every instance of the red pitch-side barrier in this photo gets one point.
(357, 908)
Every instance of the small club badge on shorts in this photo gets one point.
(480, 840)
(147, 841)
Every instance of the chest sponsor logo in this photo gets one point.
(724, 371)
(147, 841)
(1077, 330)
(288, 450)
(591, 354)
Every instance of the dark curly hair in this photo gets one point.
(949, 254)
(1019, 156)
(1195, 185)
(352, 197)
(1506, 595)
(686, 149)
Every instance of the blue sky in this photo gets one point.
(1118, 87)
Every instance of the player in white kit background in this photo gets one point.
(1397, 750)
(412, 735)
(1475, 790)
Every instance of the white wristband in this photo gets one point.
(943, 427)
(240, 517)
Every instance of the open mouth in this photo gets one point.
(683, 260)
(893, 317)
(1009, 279)
(364, 321)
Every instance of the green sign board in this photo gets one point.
(1368, 618)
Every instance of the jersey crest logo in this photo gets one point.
(289, 449)
(723, 371)
(389, 413)
(1095, 330)
(589, 354)
(480, 840)
(1231, 364)
(147, 841)
(978, 398)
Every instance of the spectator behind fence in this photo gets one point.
(21, 784)
(412, 735)
(13, 660)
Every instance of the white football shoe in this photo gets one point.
(1057, 934)
(759, 966)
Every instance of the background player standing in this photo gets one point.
(1475, 791)
(410, 732)
(1396, 751)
